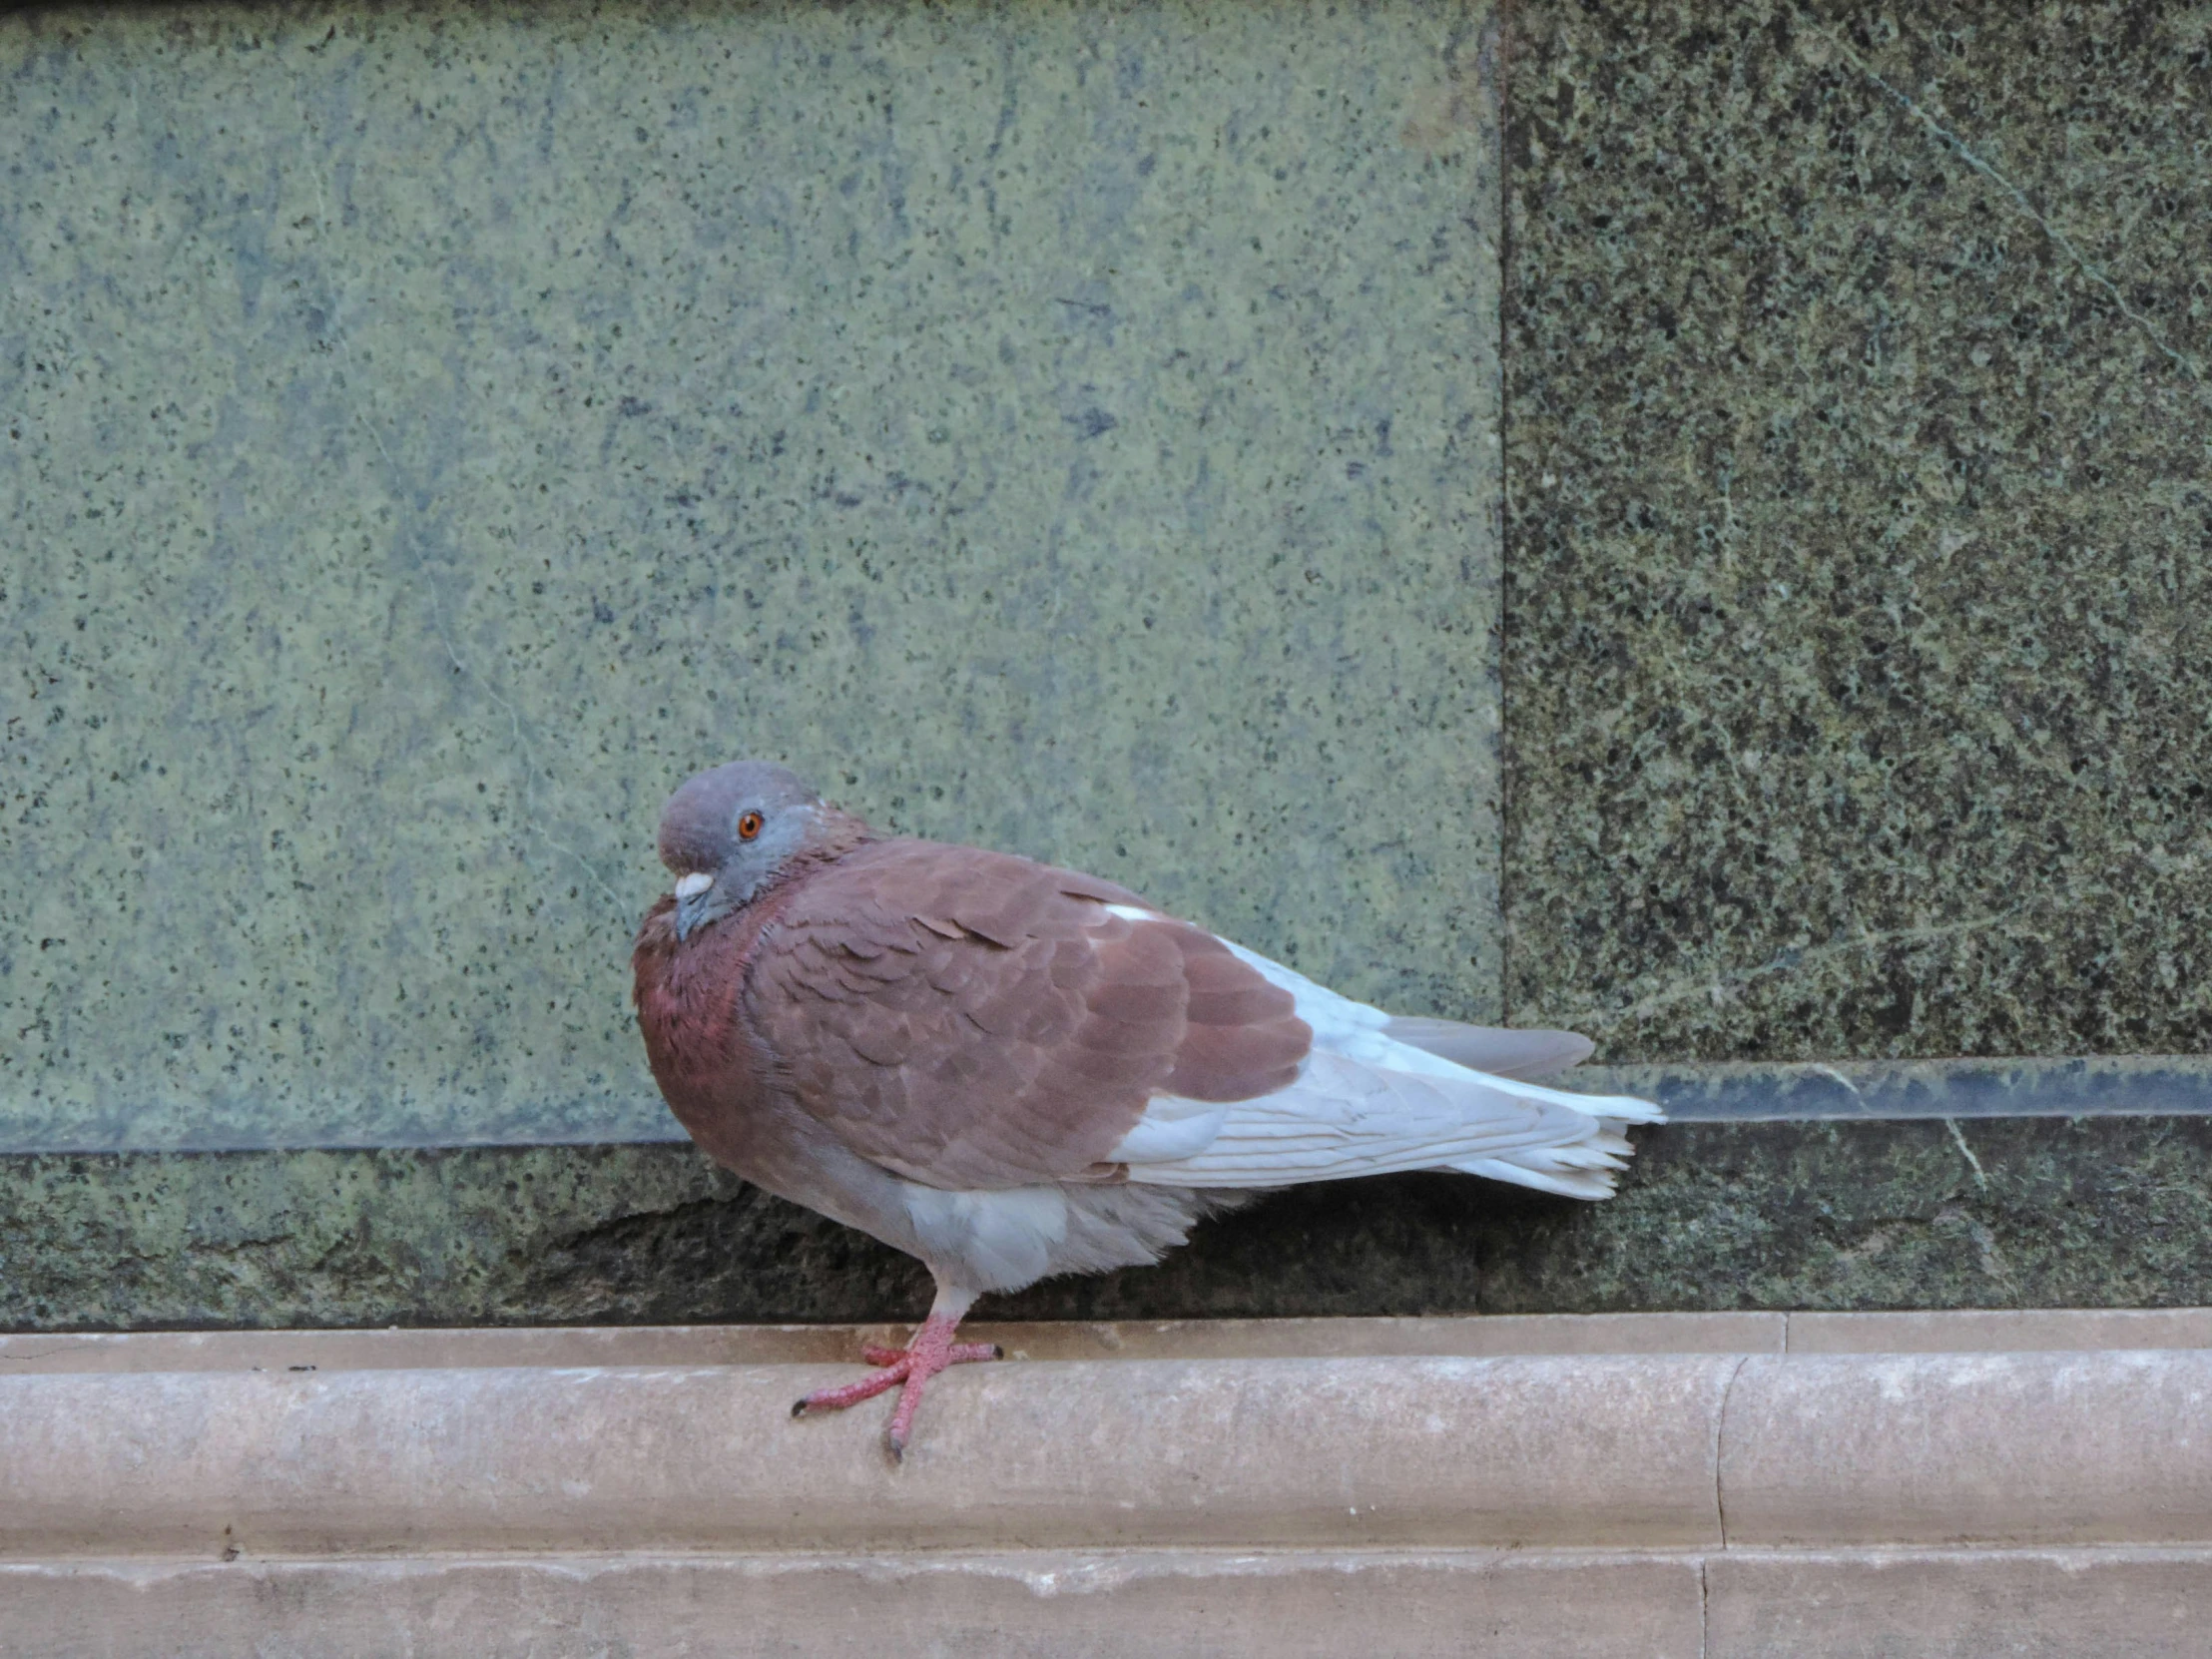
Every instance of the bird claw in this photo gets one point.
(906, 1369)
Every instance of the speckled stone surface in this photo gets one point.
(432, 432)
(1859, 528)
(2024, 1212)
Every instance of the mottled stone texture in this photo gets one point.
(2024, 1212)
(1860, 527)
(432, 432)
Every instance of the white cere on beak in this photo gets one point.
(691, 886)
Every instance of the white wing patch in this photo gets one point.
(1365, 1103)
(1171, 1128)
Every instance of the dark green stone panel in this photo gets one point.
(1859, 528)
(2004, 1212)
(455, 1236)
(2018, 1213)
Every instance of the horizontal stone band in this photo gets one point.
(1622, 1451)
(1616, 1604)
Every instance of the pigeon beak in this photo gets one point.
(691, 901)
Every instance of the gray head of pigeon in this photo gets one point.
(729, 833)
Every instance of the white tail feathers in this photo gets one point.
(1379, 1095)
(1585, 1168)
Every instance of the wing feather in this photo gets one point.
(1370, 1101)
(1344, 1118)
(975, 1021)
(1501, 1053)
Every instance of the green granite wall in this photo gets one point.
(432, 431)
(1860, 527)
(1857, 531)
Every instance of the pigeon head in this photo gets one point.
(731, 832)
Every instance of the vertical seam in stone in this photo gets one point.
(1720, 1436)
(1704, 1619)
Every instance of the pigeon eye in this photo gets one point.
(748, 827)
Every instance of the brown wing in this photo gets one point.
(975, 1020)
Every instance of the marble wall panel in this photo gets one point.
(432, 431)
(1860, 523)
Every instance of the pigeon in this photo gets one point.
(1010, 1070)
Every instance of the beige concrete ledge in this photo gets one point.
(1607, 1450)
(1135, 1605)
(1958, 1604)
(1932, 1604)
(1650, 1451)
(1719, 1486)
(2008, 1449)
(1474, 1337)
(1991, 1330)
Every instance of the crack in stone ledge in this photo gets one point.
(1720, 1441)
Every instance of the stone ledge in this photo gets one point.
(1473, 1336)
(1733, 1604)
(1608, 1450)
(1615, 1451)
(1253, 1488)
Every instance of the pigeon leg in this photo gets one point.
(931, 1351)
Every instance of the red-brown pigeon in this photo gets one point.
(1010, 1070)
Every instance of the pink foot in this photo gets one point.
(931, 1351)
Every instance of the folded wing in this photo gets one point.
(1368, 1102)
(975, 1021)
(1490, 1050)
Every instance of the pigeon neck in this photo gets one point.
(837, 833)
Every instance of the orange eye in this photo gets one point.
(748, 827)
